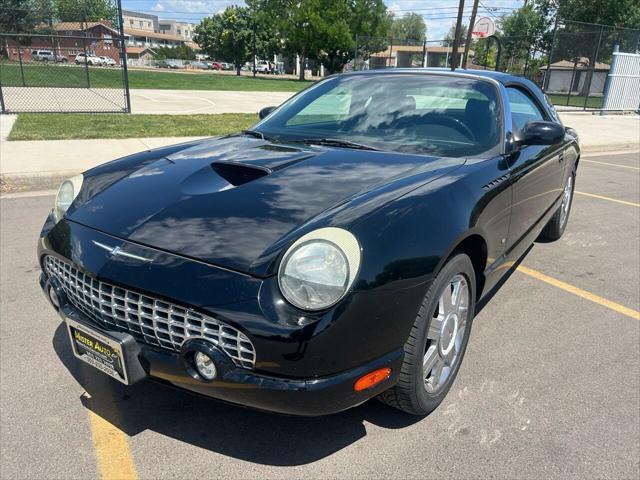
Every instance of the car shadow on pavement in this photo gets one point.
(246, 434)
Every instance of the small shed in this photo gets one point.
(139, 56)
(570, 75)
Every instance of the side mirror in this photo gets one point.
(541, 133)
(265, 111)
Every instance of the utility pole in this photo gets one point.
(456, 40)
(472, 23)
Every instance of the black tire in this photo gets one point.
(410, 393)
(558, 223)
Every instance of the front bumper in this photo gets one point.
(310, 397)
(304, 364)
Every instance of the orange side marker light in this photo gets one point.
(371, 379)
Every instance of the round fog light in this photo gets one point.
(205, 366)
(53, 296)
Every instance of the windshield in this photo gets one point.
(413, 113)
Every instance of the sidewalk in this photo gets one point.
(42, 164)
(602, 133)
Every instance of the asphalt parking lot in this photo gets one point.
(550, 386)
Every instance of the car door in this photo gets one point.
(537, 171)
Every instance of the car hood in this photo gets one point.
(226, 201)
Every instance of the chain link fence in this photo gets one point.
(71, 66)
(571, 63)
(580, 59)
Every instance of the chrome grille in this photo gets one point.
(149, 320)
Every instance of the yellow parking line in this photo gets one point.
(610, 164)
(600, 197)
(629, 312)
(115, 461)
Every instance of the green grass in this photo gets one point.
(100, 77)
(560, 100)
(34, 126)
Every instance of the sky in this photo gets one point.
(439, 15)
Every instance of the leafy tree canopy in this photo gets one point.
(451, 35)
(409, 29)
(619, 13)
(24, 16)
(85, 10)
(227, 36)
(325, 30)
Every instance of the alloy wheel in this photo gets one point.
(446, 334)
(566, 201)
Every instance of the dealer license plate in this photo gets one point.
(98, 350)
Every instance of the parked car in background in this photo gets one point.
(173, 64)
(262, 66)
(200, 65)
(108, 61)
(88, 59)
(216, 66)
(47, 56)
(226, 66)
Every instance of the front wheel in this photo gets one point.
(557, 224)
(438, 340)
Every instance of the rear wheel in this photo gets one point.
(438, 340)
(556, 226)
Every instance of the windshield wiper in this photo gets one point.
(335, 142)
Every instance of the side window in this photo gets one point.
(523, 108)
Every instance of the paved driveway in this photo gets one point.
(550, 386)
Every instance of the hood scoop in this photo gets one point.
(239, 173)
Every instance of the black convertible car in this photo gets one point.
(331, 254)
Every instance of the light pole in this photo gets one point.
(472, 23)
(456, 40)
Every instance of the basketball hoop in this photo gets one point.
(483, 28)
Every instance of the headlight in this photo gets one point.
(67, 193)
(319, 268)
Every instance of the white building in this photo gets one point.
(140, 21)
(184, 30)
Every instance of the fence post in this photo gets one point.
(24, 84)
(593, 70)
(123, 60)
(553, 43)
(355, 55)
(86, 59)
(573, 76)
(2, 107)
(499, 52)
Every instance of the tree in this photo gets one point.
(409, 29)
(227, 35)
(23, 16)
(451, 35)
(522, 32)
(618, 13)
(85, 10)
(370, 23)
(315, 29)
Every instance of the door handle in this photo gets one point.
(561, 157)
